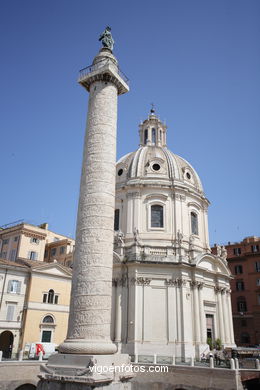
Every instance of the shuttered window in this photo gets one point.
(32, 255)
(14, 286)
(10, 312)
(13, 254)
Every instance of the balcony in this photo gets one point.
(105, 70)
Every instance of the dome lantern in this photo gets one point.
(152, 131)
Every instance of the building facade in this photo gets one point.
(34, 304)
(32, 242)
(244, 262)
(170, 294)
(14, 279)
(47, 303)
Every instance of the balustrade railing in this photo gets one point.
(99, 65)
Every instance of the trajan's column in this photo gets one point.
(88, 343)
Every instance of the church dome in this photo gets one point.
(154, 163)
(160, 204)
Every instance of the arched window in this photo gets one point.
(194, 223)
(241, 304)
(153, 135)
(48, 320)
(50, 296)
(145, 136)
(157, 216)
(116, 220)
(160, 135)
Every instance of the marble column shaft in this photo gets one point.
(90, 309)
(196, 314)
(220, 317)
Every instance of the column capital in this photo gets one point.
(119, 282)
(196, 284)
(140, 281)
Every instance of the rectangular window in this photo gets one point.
(237, 251)
(4, 254)
(44, 298)
(157, 216)
(255, 248)
(10, 312)
(258, 282)
(46, 336)
(32, 255)
(62, 250)
(56, 298)
(240, 285)
(241, 306)
(13, 255)
(257, 266)
(53, 251)
(210, 326)
(16, 238)
(5, 242)
(238, 269)
(35, 240)
(14, 286)
(194, 223)
(116, 220)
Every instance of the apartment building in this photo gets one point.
(244, 262)
(27, 241)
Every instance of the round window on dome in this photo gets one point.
(188, 175)
(156, 167)
(120, 172)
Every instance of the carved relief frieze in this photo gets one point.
(135, 194)
(31, 234)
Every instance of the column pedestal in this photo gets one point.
(78, 372)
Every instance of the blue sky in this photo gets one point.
(198, 61)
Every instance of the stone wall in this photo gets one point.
(188, 378)
(15, 374)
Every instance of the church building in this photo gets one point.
(170, 293)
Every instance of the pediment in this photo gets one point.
(212, 263)
(54, 269)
